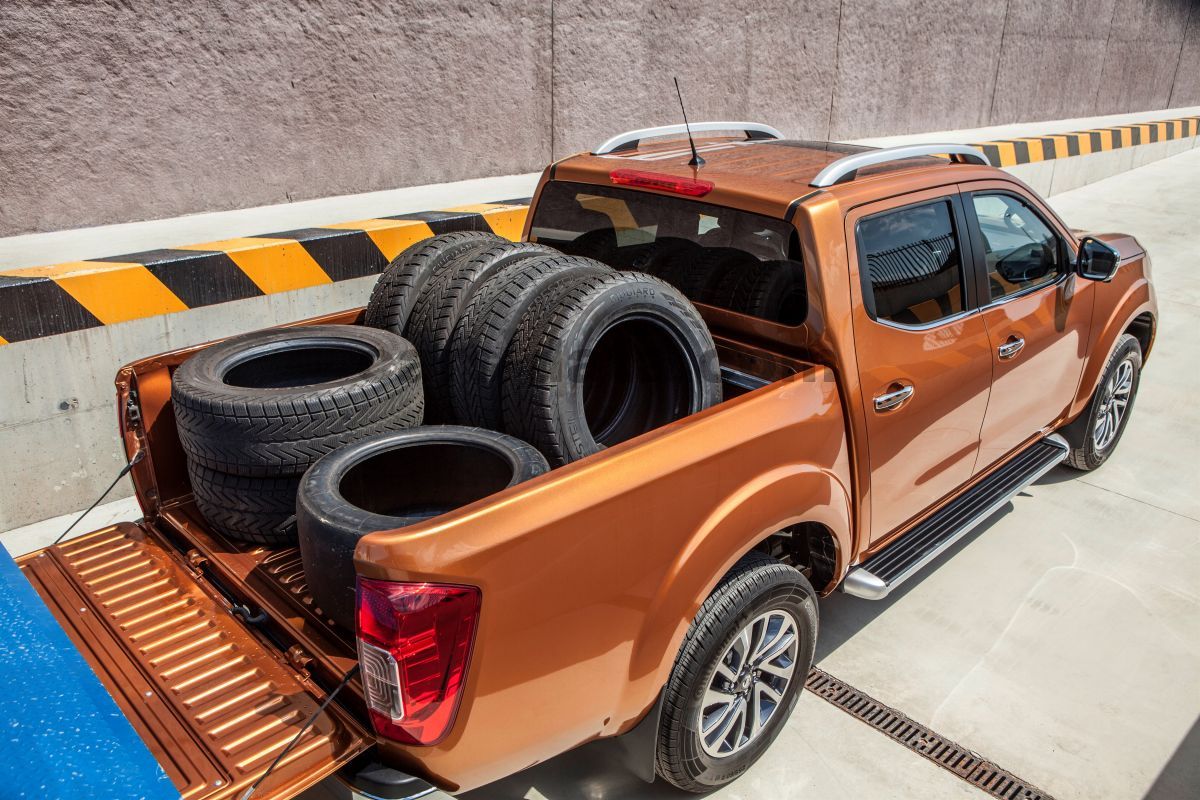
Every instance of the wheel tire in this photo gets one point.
(487, 327)
(441, 304)
(658, 364)
(271, 403)
(246, 508)
(1086, 454)
(401, 283)
(757, 584)
(391, 482)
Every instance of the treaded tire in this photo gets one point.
(310, 390)
(441, 304)
(770, 290)
(1084, 455)
(604, 359)
(487, 327)
(393, 481)
(755, 585)
(400, 284)
(246, 508)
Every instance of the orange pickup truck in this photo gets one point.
(946, 339)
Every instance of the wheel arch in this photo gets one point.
(797, 496)
(1135, 314)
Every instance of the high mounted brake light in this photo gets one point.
(692, 187)
(414, 644)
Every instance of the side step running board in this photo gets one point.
(878, 575)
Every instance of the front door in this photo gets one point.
(922, 348)
(1037, 314)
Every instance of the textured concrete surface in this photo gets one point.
(117, 111)
(129, 110)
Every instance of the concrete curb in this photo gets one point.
(56, 299)
(1032, 149)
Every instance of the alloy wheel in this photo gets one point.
(748, 684)
(1114, 401)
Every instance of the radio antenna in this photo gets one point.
(696, 161)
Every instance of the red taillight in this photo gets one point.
(414, 642)
(692, 187)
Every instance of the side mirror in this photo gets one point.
(1097, 261)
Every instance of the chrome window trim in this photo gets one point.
(1028, 290)
(926, 326)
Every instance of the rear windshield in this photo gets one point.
(719, 256)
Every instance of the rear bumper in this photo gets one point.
(367, 777)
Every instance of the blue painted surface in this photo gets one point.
(61, 734)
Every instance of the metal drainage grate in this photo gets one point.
(969, 766)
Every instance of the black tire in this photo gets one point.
(757, 584)
(246, 508)
(1085, 455)
(390, 482)
(401, 283)
(271, 403)
(487, 326)
(723, 278)
(770, 290)
(697, 272)
(607, 358)
(441, 304)
(777, 293)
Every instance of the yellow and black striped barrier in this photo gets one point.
(1032, 149)
(44, 301)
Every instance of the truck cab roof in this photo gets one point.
(747, 169)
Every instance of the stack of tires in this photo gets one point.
(515, 342)
(255, 412)
(561, 351)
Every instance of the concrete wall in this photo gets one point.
(130, 109)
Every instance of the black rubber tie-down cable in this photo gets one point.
(124, 471)
(320, 710)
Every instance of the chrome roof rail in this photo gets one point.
(845, 168)
(630, 139)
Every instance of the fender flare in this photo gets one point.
(737, 524)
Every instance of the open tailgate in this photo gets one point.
(213, 702)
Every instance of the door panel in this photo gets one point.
(928, 363)
(1031, 388)
(1036, 321)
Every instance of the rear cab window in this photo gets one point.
(716, 255)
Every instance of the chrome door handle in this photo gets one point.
(1011, 348)
(886, 402)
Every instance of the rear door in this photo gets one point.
(922, 348)
(212, 702)
(1037, 322)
